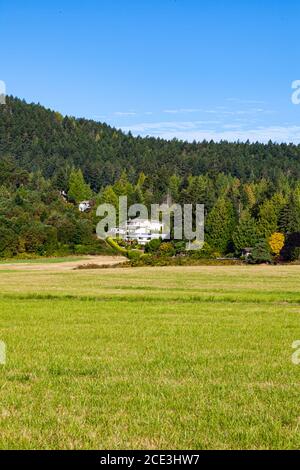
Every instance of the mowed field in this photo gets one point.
(150, 358)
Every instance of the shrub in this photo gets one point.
(290, 251)
(51, 244)
(180, 247)
(260, 253)
(154, 260)
(207, 252)
(167, 249)
(34, 237)
(276, 243)
(133, 255)
(153, 245)
(8, 242)
(111, 242)
(296, 254)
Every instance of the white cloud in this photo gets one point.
(126, 113)
(182, 111)
(233, 126)
(243, 101)
(167, 126)
(221, 110)
(195, 130)
(239, 112)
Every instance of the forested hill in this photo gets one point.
(251, 192)
(40, 139)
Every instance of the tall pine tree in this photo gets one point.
(220, 224)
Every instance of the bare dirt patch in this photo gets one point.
(65, 265)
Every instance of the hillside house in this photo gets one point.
(85, 206)
(140, 230)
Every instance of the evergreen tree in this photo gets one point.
(61, 178)
(108, 196)
(79, 190)
(123, 187)
(174, 187)
(246, 233)
(220, 224)
(200, 190)
(269, 215)
(289, 220)
(249, 195)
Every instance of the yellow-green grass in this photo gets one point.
(168, 358)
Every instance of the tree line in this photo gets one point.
(251, 192)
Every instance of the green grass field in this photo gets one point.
(167, 358)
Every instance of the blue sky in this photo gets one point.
(190, 69)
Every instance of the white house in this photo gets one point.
(140, 230)
(85, 206)
(63, 195)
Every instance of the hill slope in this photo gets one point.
(250, 191)
(41, 139)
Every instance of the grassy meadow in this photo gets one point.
(166, 358)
